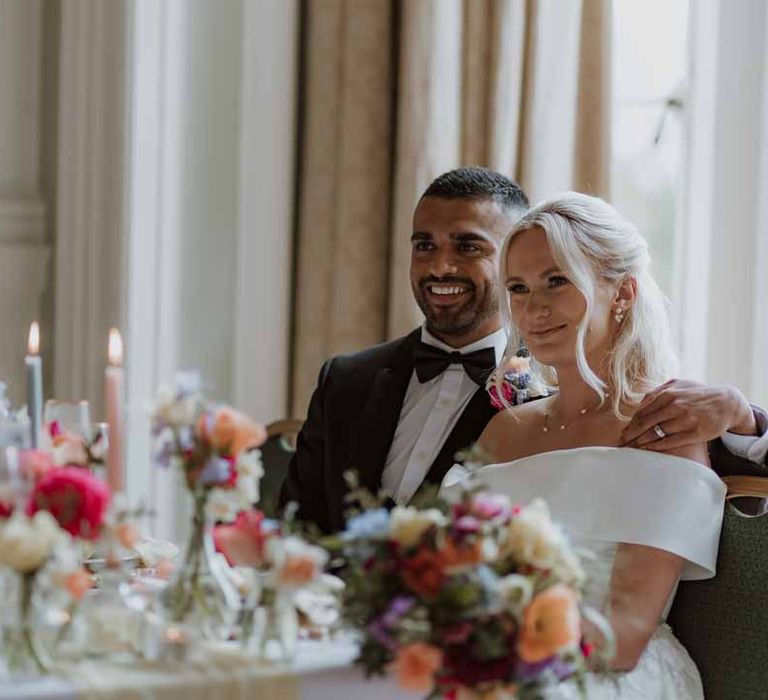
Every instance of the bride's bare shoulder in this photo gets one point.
(507, 427)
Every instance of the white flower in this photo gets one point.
(249, 472)
(225, 504)
(515, 592)
(152, 551)
(176, 411)
(27, 543)
(407, 524)
(533, 538)
(249, 462)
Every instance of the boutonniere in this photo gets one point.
(517, 383)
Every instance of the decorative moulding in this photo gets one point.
(22, 221)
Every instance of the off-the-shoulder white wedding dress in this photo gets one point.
(604, 496)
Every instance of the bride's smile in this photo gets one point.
(549, 308)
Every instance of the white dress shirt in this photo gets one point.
(429, 413)
(754, 448)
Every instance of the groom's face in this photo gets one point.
(454, 266)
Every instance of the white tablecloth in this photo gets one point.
(321, 671)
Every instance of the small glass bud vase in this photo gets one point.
(274, 622)
(22, 654)
(200, 596)
(112, 614)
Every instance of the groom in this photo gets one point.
(397, 413)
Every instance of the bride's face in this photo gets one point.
(548, 308)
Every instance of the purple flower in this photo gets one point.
(187, 382)
(554, 666)
(397, 609)
(186, 437)
(379, 632)
(216, 471)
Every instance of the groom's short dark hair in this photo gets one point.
(478, 183)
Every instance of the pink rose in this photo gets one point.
(507, 391)
(490, 506)
(77, 499)
(35, 464)
(243, 542)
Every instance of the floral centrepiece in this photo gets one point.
(29, 546)
(283, 566)
(479, 597)
(215, 448)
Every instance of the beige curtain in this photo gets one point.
(395, 93)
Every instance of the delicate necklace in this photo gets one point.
(563, 426)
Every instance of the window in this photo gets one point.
(650, 63)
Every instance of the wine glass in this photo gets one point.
(72, 416)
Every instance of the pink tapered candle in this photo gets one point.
(114, 378)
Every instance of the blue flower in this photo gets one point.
(371, 523)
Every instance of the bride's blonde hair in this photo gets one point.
(590, 242)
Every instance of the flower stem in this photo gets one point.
(27, 629)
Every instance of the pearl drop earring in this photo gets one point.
(619, 315)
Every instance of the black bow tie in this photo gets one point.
(430, 362)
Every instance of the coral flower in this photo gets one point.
(298, 570)
(78, 583)
(127, 535)
(550, 623)
(423, 572)
(35, 464)
(230, 431)
(415, 666)
(461, 554)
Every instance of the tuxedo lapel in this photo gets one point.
(380, 416)
(467, 430)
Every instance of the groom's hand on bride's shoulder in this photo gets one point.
(682, 412)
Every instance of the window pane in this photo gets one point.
(650, 61)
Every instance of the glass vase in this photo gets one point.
(200, 597)
(22, 654)
(112, 615)
(273, 622)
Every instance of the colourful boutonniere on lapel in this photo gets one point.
(517, 384)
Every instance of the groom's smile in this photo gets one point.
(454, 266)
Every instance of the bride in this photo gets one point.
(577, 289)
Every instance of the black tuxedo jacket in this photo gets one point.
(351, 422)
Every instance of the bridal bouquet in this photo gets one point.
(477, 598)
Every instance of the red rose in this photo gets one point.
(76, 498)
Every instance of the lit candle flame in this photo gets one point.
(34, 339)
(115, 347)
